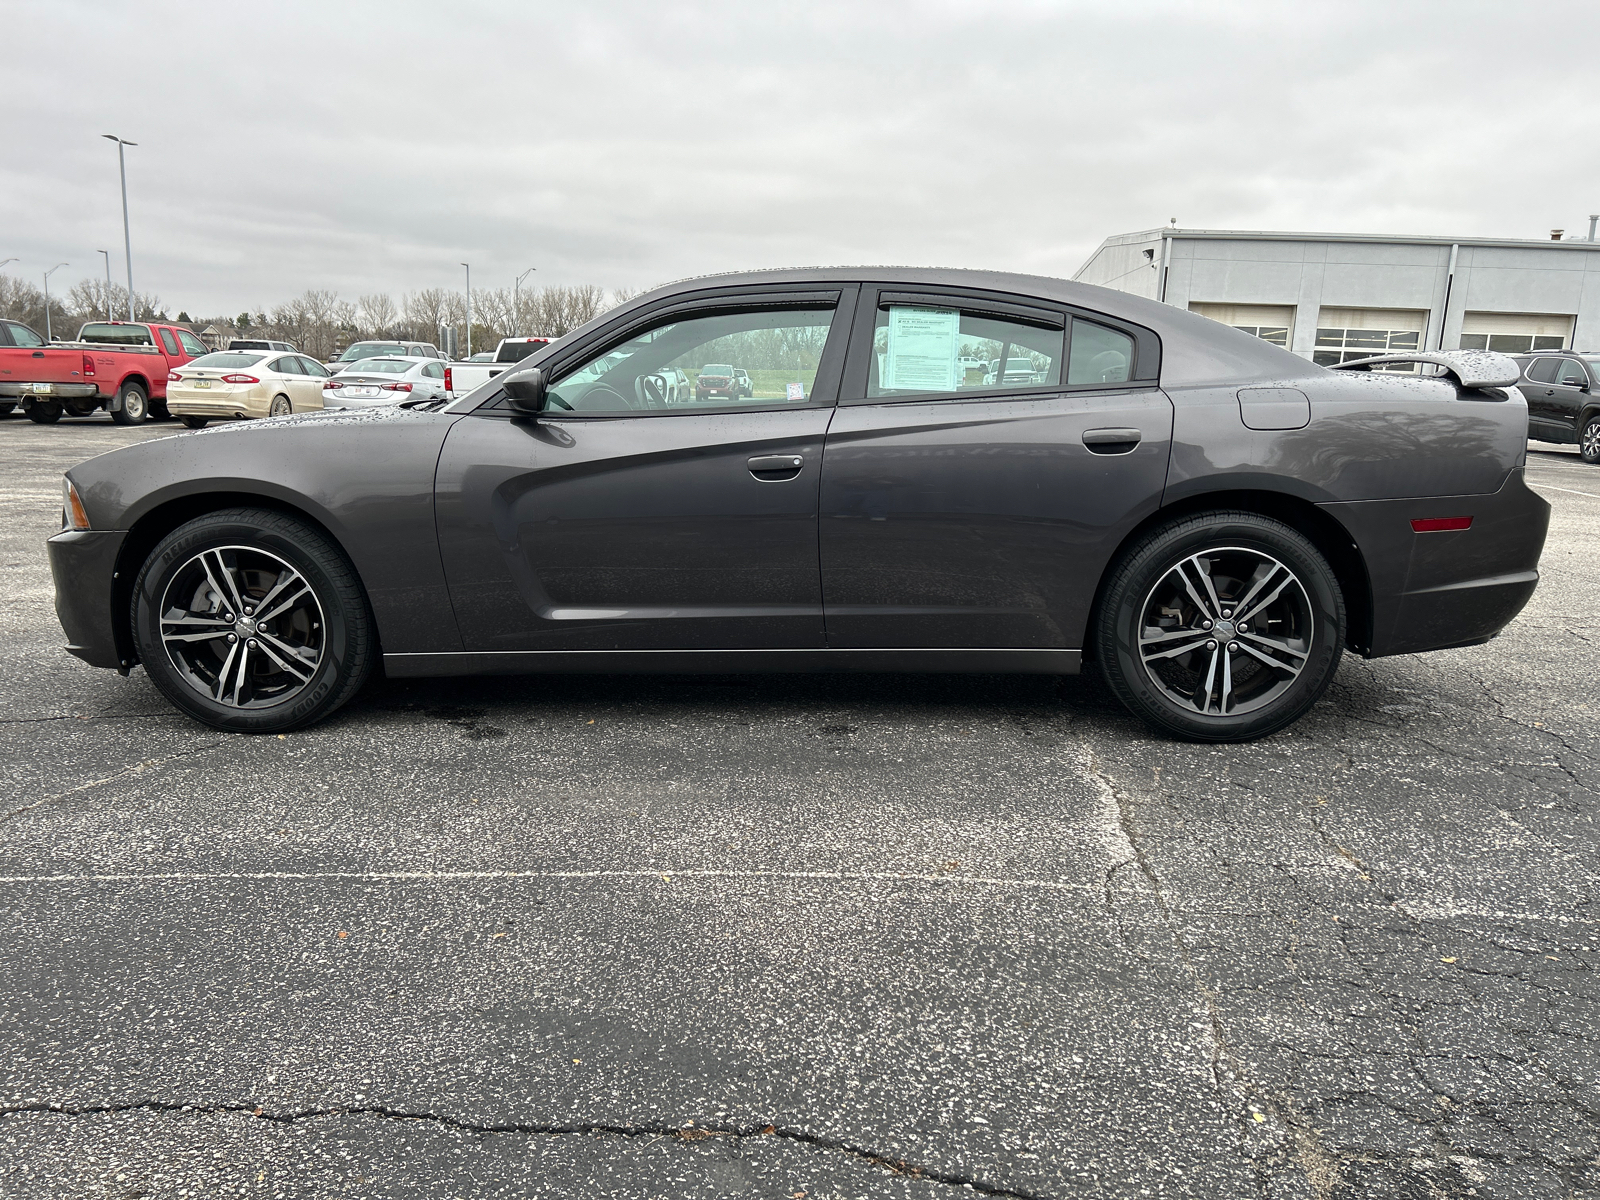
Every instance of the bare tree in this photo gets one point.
(378, 314)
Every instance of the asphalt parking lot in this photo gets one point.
(801, 936)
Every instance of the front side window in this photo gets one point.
(192, 345)
(779, 349)
(923, 349)
(21, 335)
(1572, 374)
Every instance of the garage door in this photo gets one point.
(1345, 334)
(1516, 333)
(1269, 322)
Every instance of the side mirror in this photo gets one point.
(526, 391)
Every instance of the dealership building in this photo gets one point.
(1332, 297)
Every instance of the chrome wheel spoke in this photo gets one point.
(1261, 604)
(284, 606)
(240, 672)
(290, 575)
(1274, 644)
(1276, 664)
(222, 675)
(1194, 639)
(208, 636)
(290, 660)
(1255, 590)
(1188, 584)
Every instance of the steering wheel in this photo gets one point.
(651, 390)
(609, 399)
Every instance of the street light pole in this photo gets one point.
(516, 295)
(47, 275)
(469, 310)
(127, 239)
(107, 254)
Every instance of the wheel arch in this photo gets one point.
(1332, 540)
(146, 533)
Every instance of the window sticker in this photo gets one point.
(796, 392)
(921, 355)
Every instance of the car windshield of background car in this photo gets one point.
(116, 335)
(782, 350)
(369, 350)
(925, 350)
(225, 360)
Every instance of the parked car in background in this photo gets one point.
(741, 383)
(1206, 518)
(119, 366)
(262, 344)
(243, 384)
(480, 356)
(382, 349)
(715, 379)
(15, 333)
(1019, 372)
(1562, 388)
(375, 382)
(462, 377)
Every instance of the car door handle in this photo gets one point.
(775, 468)
(1111, 441)
(38, 353)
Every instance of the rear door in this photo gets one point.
(959, 512)
(616, 521)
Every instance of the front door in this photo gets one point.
(618, 521)
(1570, 391)
(992, 459)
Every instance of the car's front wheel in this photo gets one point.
(253, 621)
(1221, 627)
(1589, 441)
(194, 422)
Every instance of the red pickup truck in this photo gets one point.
(116, 365)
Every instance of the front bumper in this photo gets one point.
(83, 564)
(1431, 591)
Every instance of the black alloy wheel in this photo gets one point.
(1589, 441)
(135, 406)
(44, 413)
(1221, 627)
(252, 621)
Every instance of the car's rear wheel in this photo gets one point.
(1221, 627)
(44, 413)
(253, 621)
(6, 407)
(281, 407)
(135, 406)
(1589, 441)
(194, 422)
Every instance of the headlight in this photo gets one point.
(73, 515)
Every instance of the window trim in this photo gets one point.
(824, 388)
(1146, 371)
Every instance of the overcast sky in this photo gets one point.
(373, 147)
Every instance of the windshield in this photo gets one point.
(380, 366)
(225, 359)
(116, 335)
(370, 350)
(717, 369)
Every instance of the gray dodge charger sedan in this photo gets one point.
(1206, 517)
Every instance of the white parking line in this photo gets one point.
(667, 875)
(1571, 491)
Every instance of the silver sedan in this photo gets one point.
(376, 382)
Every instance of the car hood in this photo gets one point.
(319, 463)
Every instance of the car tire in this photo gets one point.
(194, 422)
(1164, 603)
(7, 407)
(158, 411)
(135, 406)
(1589, 441)
(312, 651)
(44, 414)
(282, 406)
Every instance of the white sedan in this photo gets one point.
(375, 382)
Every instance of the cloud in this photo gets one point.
(375, 147)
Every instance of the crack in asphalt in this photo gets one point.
(687, 1133)
(131, 769)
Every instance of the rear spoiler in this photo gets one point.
(1469, 368)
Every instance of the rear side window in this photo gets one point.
(286, 366)
(433, 371)
(921, 349)
(312, 367)
(1543, 370)
(170, 344)
(1099, 355)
